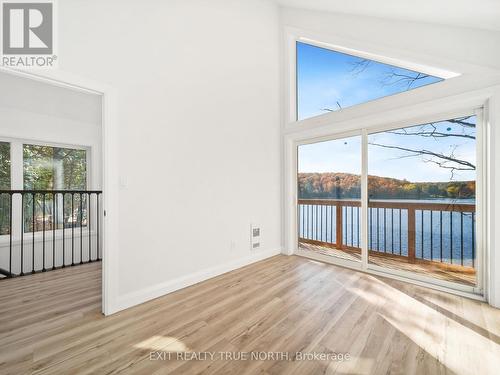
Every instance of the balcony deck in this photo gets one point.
(456, 275)
(434, 239)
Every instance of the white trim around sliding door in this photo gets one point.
(294, 140)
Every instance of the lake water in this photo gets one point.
(440, 235)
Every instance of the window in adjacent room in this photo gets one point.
(54, 168)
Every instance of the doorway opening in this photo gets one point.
(51, 204)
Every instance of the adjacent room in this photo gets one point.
(250, 186)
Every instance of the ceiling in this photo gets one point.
(481, 14)
(29, 95)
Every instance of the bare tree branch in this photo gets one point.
(465, 165)
(359, 66)
(332, 110)
(463, 121)
(431, 130)
(442, 164)
(393, 78)
(433, 134)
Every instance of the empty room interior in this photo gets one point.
(250, 187)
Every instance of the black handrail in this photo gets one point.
(45, 218)
(50, 191)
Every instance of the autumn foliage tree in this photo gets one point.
(348, 186)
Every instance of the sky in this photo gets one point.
(326, 77)
(344, 155)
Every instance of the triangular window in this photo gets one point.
(328, 80)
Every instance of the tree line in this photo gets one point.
(348, 186)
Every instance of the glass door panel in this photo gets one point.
(422, 200)
(329, 198)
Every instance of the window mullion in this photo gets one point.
(16, 166)
(16, 183)
(364, 199)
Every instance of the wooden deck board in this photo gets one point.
(51, 324)
(396, 264)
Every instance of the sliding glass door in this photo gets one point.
(422, 200)
(421, 186)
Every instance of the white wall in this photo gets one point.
(197, 106)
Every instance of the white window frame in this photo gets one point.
(292, 36)
(293, 102)
(17, 183)
(86, 148)
(477, 292)
(480, 196)
(440, 100)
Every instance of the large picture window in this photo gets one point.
(54, 168)
(328, 80)
(47, 168)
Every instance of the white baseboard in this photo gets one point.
(149, 293)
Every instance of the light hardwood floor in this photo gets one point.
(50, 324)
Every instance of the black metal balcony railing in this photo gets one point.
(436, 232)
(42, 230)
